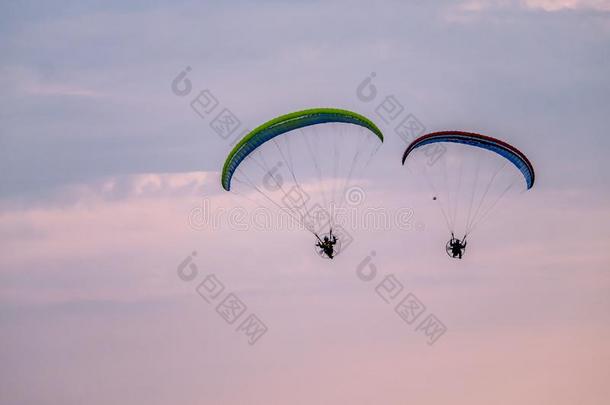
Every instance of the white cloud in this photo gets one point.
(557, 5)
(467, 10)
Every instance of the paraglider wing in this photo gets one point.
(284, 124)
(503, 149)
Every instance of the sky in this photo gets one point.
(119, 248)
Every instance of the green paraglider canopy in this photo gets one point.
(287, 123)
(303, 164)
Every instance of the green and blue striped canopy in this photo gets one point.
(287, 123)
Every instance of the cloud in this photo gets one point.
(558, 5)
(60, 89)
(102, 169)
(478, 6)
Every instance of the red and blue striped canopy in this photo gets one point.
(512, 154)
